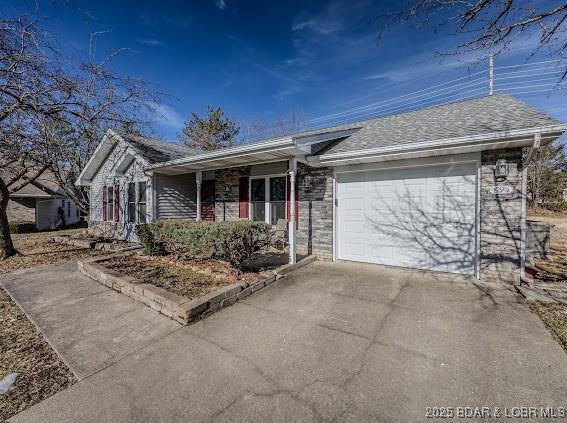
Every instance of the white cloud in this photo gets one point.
(221, 4)
(150, 42)
(167, 116)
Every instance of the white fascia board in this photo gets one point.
(228, 152)
(431, 152)
(491, 138)
(96, 159)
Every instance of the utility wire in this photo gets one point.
(527, 82)
(389, 102)
(532, 70)
(527, 76)
(447, 91)
(530, 64)
(414, 92)
(404, 108)
(557, 84)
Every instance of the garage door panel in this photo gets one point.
(421, 218)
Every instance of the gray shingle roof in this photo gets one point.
(154, 150)
(483, 115)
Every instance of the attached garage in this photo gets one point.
(420, 217)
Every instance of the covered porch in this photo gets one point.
(241, 183)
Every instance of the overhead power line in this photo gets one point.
(530, 64)
(402, 99)
(406, 107)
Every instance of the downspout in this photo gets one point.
(523, 223)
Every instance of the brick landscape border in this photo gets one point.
(181, 309)
(91, 243)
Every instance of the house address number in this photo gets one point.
(501, 190)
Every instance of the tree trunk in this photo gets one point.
(6, 245)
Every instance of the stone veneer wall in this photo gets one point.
(500, 233)
(106, 229)
(227, 200)
(315, 214)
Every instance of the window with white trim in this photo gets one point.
(131, 202)
(142, 202)
(267, 198)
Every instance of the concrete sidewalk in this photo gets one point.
(89, 325)
(332, 341)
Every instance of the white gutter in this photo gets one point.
(493, 136)
(228, 152)
(523, 223)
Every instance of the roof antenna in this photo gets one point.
(490, 74)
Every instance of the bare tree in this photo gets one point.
(53, 112)
(545, 174)
(490, 25)
(255, 128)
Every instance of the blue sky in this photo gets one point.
(262, 60)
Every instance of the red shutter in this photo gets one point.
(117, 202)
(287, 209)
(243, 198)
(104, 203)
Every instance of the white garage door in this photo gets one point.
(416, 217)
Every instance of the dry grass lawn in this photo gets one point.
(23, 350)
(35, 249)
(551, 276)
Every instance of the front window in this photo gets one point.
(267, 199)
(131, 202)
(258, 199)
(110, 204)
(277, 199)
(141, 202)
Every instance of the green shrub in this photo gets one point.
(21, 227)
(147, 239)
(230, 241)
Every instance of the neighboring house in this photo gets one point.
(43, 202)
(438, 189)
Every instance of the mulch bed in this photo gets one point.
(189, 278)
(23, 350)
(35, 249)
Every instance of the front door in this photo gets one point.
(208, 200)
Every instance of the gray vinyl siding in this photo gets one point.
(275, 168)
(176, 196)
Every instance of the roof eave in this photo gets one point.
(506, 139)
(281, 148)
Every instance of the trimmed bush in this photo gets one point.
(229, 241)
(21, 227)
(145, 235)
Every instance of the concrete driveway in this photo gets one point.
(332, 341)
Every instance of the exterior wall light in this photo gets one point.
(502, 169)
(306, 182)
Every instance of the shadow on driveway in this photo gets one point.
(343, 341)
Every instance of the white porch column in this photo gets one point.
(198, 180)
(292, 216)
